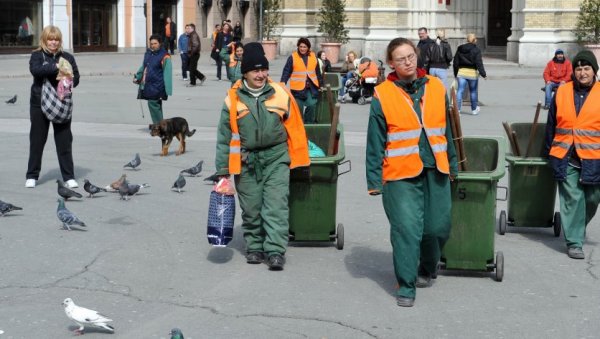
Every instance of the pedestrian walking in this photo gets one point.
(169, 34)
(260, 138)
(572, 137)
(302, 70)
(438, 57)
(238, 32)
(43, 65)
(193, 51)
(424, 42)
(222, 41)
(468, 66)
(182, 44)
(154, 78)
(410, 161)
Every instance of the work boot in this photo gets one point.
(276, 262)
(423, 281)
(405, 301)
(254, 258)
(575, 253)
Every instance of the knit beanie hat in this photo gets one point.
(254, 58)
(558, 51)
(585, 58)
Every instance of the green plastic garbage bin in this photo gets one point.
(471, 242)
(323, 114)
(313, 192)
(531, 187)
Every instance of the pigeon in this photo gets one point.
(126, 189)
(66, 192)
(194, 171)
(7, 207)
(176, 334)
(83, 316)
(114, 187)
(213, 177)
(92, 189)
(12, 100)
(67, 217)
(135, 162)
(179, 183)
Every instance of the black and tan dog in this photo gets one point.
(166, 129)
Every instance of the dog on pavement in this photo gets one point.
(166, 129)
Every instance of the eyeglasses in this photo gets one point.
(404, 60)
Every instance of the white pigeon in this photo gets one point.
(83, 316)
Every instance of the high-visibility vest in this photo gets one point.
(232, 60)
(583, 130)
(278, 103)
(402, 160)
(301, 71)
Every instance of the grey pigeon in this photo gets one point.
(126, 189)
(66, 192)
(176, 334)
(213, 177)
(86, 317)
(194, 171)
(12, 100)
(7, 207)
(91, 189)
(135, 162)
(67, 217)
(179, 183)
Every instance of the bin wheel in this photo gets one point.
(339, 244)
(362, 100)
(499, 266)
(557, 224)
(502, 223)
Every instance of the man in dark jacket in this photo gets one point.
(194, 54)
(422, 46)
(438, 57)
(572, 135)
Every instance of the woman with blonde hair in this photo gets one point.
(468, 66)
(43, 65)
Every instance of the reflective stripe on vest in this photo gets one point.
(581, 130)
(277, 103)
(300, 71)
(402, 158)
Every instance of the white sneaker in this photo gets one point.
(30, 183)
(476, 111)
(71, 183)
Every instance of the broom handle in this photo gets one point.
(461, 148)
(533, 129)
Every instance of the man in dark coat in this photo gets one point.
(424, 41)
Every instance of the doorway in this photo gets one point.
(94, 26)
(499, 21)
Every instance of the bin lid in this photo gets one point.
(494, 174)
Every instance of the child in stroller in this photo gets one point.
(361, 86)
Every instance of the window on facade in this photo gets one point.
(20, 23)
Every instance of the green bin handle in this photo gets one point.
(505, 193)
(349, 167)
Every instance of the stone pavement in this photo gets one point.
(146, 262)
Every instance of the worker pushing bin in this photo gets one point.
(531, 188)
(313, 191)
(471, 242)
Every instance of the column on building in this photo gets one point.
(387, 20)
(299, 20)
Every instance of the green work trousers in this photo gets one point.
(418, 210)
(263, 188)
(155, 108)
(308, 107)
(578, 205)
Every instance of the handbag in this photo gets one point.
(56, 110)
(221, 215)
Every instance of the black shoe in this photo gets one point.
(276, 262)
(546, 107)
(405, 301)
(575, 253)
(254, 258)
(190, 85)
(423, 281)
(202, 80)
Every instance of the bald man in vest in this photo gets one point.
(303, 72)
(572, 139)
(410, 161)
(260, 138)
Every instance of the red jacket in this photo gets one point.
(557, 72)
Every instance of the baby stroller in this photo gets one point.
(361, 86)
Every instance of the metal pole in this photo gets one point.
(260, 20)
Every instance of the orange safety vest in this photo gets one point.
(278, 103)
(232, 60)
(583, 130)
(402, 158)
(301, 71)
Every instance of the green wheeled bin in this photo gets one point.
(471, 242)
(323, 113)
(531, 185)
(313, 192)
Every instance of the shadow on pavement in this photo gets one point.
(364, 262)
(53, 174)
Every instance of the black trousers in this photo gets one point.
(169, 45)
(194, 73)
(38, 134)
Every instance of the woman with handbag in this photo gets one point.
(43, 65)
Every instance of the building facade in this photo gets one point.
(523, 31)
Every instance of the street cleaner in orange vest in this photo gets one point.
(260, 138)
(573, 146)
(411, 161)
(233, 61)
(303, 71)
